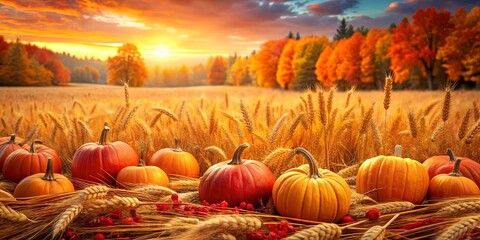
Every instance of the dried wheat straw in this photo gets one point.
(167, 112)
(413, 124)
(96, 207)
(358, 198)
(276, 128)
(476, 111)
(463, 127)
(9, 214)
(246, 117)
(459, 229)
(184, 185)
(93, 192)
(17, 124)
(224, 236)
(387, 90)
(216, 150)
(321, 108)
(473, 131)
(349, 171)
(437, 131)
(430, 107)
(468, 206)
(66, 217)
(311, 109)
(322, 231)
(222, 223)
(349, 95)
(351, 180)
(154, 190)
(446, 104)
(384, 208)
(366, 120)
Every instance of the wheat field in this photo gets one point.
(340, 129)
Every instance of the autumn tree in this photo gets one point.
(461, 52)
(343, 31)
(127, 68)
(417, 44)
(264, 63)
(61, 74)
(85, 74)
(306, 55)
(369, 65)
(38, 74)
(239, 72)
(285, 71)
(349, 67)
(321, 68)
(335, 60)
(217, 73)
(15, 69)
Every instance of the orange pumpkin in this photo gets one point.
(452, 185)
(142, 174)
(175, 161)
(6, 148)
(43, 183)
(100, 162)
(311, 193)
(444, 164)
(393, 178)
(22, 163)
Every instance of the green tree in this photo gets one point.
(38, 74)
(306, 55)
(290, 35)
(343, 31)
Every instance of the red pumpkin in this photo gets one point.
(100, 162)
(22, 163)
(237, 181)
(6, 148)
(142, 174)
(444, 164)
(452, 185)
(175, 161)
(43, 184)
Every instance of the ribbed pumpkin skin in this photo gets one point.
(247, 182)
(22, 163)
(176, 161)
(325, 199)
(443, 164)
(445, 186)
(142, 175)
(6, 148)
(101, 163)
(34, 185)
(179, 163)
(396, 178)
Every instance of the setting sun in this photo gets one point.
(162, 51)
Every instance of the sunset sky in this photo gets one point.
(170, 32)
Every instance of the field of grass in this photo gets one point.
(339, 128)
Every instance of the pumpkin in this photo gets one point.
(452, 185)
(311, 193)
(176, 161)
(100, 162)
(43, 183)
(142, 174)
(444, 164)
(393, 178)
(237, 181)
(6, 148)
(22, 163)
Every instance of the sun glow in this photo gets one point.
(162, 51)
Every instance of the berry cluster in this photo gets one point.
(275, 231)
(421, 223)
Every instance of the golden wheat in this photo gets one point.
(459, 229)
(322, 231)
(384, 208)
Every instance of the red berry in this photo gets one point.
(69, 233)
(346, 219)
(250, 207)
(116, 214)
(256, 235)
(133, 213)
(128, 221)
(223, 204)
(372, 214)
(105, 221)
(174, 197)
(188, 208)
(243, 205)
(99, 236)
(138, 219)
(163, 207)
(205, 203)
(213, 205)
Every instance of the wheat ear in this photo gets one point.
(377, 232)
(222, 223)
(66, 217)
(384, 208)
(459, 229)
(322, 231)
(154, 190)
(9, 214)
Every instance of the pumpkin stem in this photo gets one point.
(32, 146)
(398, 151)
(12, 139)
(103, 137)
(451, 155)
(456, 169)
(49, 172)
(312, 163)
(177, 146)
(141, 163)
(236, 159)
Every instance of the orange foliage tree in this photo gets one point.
(217, 72)
(350, 60)
(369, 67)
(264, 63)
(127, 67)
(334, 61)
(417, 44)
(461, 52)
(239, 72)
(285, 71)
(321, 68)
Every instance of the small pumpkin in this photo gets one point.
(176, 161)
(452, 185)
(311, 193)
(237, 181)
(100, 162)
(142, 174)
(43, 183)
(22, 163)
(444, 164)
(6, 148)
(393, 178)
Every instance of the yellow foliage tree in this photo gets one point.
(368, 65)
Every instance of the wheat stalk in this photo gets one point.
(276, 128)
(184, 185)
(437, 130)
(360, 198)
(17, 124)
(463, 127)
(93, 192)
(473, 131)
(384, 208)
(322, 231)
(311, 109)
(321, 108)
(222, 223)
(413, 124)
(167, 112)
(246, 117)
(128, 118)
(476, 111)
(154, 190)
(366, 120)
(446, 103)
(377, 232)
(95, 207)
(9, 214)
(278, 159)
(349, 95)
(459, 229)
(349, 171)
(469, 206)
(66, 217)
(86, 132)
(216, 150)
